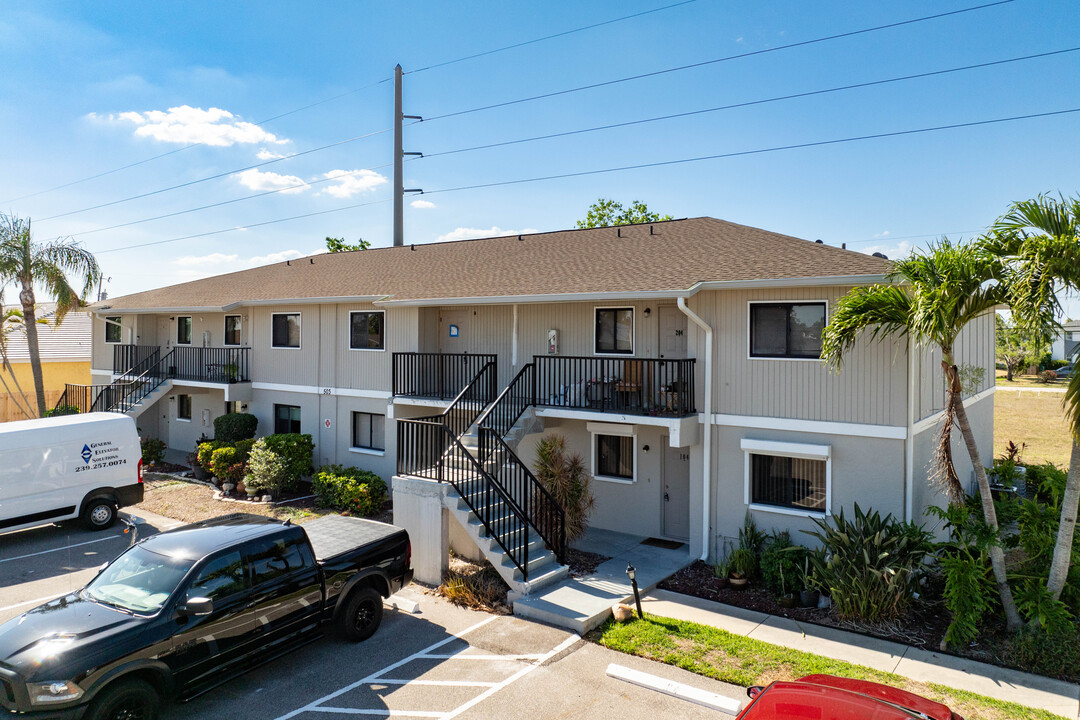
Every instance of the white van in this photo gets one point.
(74, 466)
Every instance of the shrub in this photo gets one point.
(743, 563)
(360, 492)
(296, 450)
(266, 469)
(228, 463)
(62, 410)
(782, 564)
(970, 592)
(1055, 654)
(153, 450)
(205, 451)
(1047, 375)
(235, 426)
(1046, 482)
(873, 564)
(564, 476)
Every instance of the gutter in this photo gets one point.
(706, 441)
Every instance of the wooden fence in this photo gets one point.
(9, 410)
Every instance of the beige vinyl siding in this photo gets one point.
(974, 346)
(871, 389)
(285, 365)
(366, 369)
(101, 352)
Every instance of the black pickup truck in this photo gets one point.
(180, 612)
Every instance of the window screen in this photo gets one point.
(786, 330)
(615, 456)
(787, 482)
(615, 331)
(366, 330)
(286, 330)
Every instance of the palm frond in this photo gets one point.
(882, 310)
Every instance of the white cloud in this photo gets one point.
(881, 235)
(463, 233)
(211, 259)
(185, 125)
(893, 252)
(422, 204)
(265, 154)
(195, 267)
(259, 181)
(739, 39)
(353, 182)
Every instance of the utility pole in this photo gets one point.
(399, 156)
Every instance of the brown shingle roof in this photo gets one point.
(679, 255)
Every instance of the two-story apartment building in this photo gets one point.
(680, 359)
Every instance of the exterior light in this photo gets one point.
(631, 572)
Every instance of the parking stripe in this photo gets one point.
(379, 711)
(438, 683)
(66, 547)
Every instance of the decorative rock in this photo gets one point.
(266, 498)
(622, 612)
(227, 488)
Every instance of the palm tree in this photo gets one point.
(1041, 238)
(45, 265)
(11, 321)
(929, 298)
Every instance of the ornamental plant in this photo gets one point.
(266, 469)
(296, 450)
(356, 491)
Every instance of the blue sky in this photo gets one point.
(89, 87)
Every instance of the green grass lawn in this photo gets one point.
(1038, 421)
(744, 661)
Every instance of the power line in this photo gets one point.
(747, 103)
(215, 177)
(549, 37)
(890, 238)
(243, 227)
(703, 63)
(757, 151)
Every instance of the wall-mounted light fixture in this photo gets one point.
(645, 448)
(648, 312)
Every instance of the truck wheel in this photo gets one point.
(126, 700)
(100, 514)
(362, 614)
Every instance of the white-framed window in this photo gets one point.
(613, 331)
(787, 478)
(232, 330)
(285, 330)
(614, 452)
(286, 419)
(369, 431)
(367, 330)
(114, 331)
(183, 407)
(786, 330)
(183, 330)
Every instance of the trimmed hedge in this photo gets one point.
(204, 453)
(360, 492)
(296, 450)
(153, 450)
(235, 426)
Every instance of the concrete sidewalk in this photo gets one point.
(1056, 696)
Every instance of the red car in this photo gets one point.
(825, 697)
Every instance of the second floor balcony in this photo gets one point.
(221, 365)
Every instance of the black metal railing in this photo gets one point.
(470, 402)
(632, 386)
(123, 393)
(210, 364)
(83, 397)
(125, 357)
(510, 474)
(428, 449)
(435, 375)
(512, 402)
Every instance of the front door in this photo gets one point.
(676, 474)
(453, 333)
(672, 325)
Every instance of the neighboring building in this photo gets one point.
(65, 358)
(1065, 345)
(602, 335)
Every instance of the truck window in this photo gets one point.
(219, 578)
(273, 558)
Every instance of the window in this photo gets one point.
(366, 330)
(614, 331)
(232, 330)
(221, 577)
(113, 330)
(232, 407)
(791, 478)
(183, 407)
(786, 330)
(615, 456)
(286, 330)
(274, 558)
(183, 330)
(286, 419)
(368, 431)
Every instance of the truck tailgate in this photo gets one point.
(333, 535)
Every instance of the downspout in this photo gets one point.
(706, 452)
(514, 348)
(909, 446)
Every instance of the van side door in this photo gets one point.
(286, 589)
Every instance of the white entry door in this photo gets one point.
(672, 324)
(676, 474)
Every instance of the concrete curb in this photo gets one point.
(711, 700)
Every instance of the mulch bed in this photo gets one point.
(583, 563)
(167, 467)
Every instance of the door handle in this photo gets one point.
(666, 498)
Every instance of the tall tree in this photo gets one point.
(607, 213)
(336, 245)
(929, 299)
(11, 323)
(1041, 239)
(45, 266)
(1015, 347)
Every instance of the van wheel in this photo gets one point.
(100, 514)
(127, 700)
(362, 614)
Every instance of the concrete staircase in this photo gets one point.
(161, 390)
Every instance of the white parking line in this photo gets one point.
(66, 547)
(31, 602)
(439, 683)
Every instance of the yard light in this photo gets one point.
(631, 572)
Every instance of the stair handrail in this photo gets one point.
(140, 367)
(134, 390)
(458, 403)
(526, 375)
(543, 511)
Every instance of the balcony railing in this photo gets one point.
(438, 376)
(202, 364)
(631, 386)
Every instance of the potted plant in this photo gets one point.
(786, 599)
(742, 563)
(232, 372)
(720, 574)
(808, 596)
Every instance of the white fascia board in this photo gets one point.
(549, 298)
(822, 427)
(113, 310)
(931, 421)
(609, 417)
(605, 428)
(788, 282)
(316, 390)
(154, 311)
(786, 449)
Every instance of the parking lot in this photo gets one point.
(440, 662)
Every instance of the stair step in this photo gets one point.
(538, 566)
